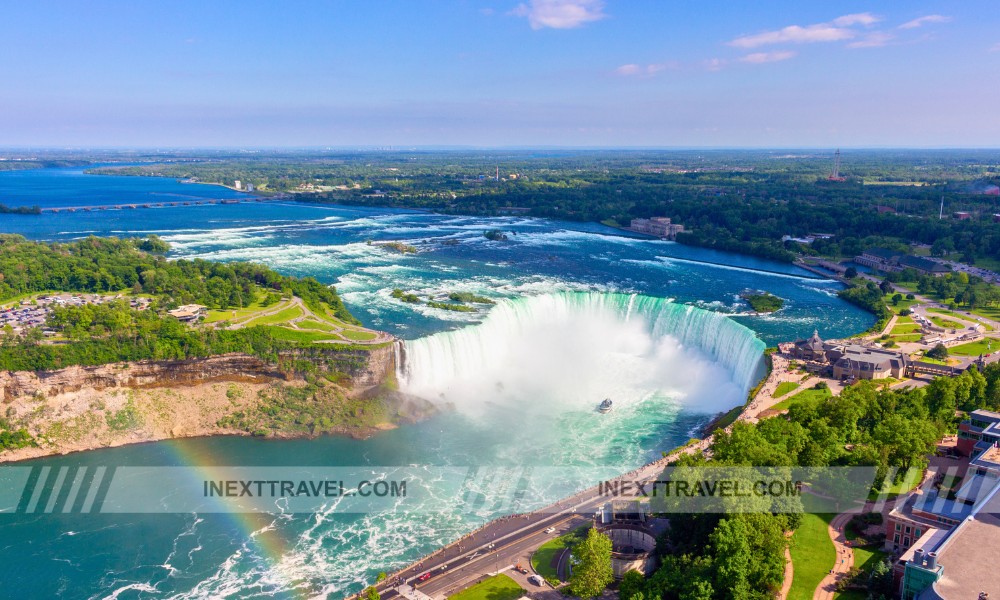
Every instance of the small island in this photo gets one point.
(763, 302)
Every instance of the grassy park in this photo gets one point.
(984, 346)
(813, 555)
(784, 387)
(498, 587)
(809, 394)
(543, 561)
(290, 319)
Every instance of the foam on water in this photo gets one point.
(571, 350)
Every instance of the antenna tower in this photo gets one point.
(835, 176)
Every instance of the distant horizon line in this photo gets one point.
(453, 147)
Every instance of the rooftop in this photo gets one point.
(989, 459)
(968, 553)
(882, 253)
(923, 264)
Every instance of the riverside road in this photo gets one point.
(505, 541)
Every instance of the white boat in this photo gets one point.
(605, 407)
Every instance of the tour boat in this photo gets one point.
(605, 407)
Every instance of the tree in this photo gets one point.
(749, 555)
(851, 273)
(940, 352)
(632, 586)
(371, 593)
(593, 573)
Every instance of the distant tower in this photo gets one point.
(941, 210)
(835, 176)
(498, 172)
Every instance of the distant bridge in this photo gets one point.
(138, 205)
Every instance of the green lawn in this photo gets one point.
(316, 325)
(907, 482)
(946, 323)
(865, 559)
(901, 305)
(903, 328)
(214, 316)
(975, 348)
(909, 337)
(809, 394)
(498, 587)
(297, 335)
(358, 335)
(543, 560)
(282, 316)
(990, 312)
(784, 387)
(813, 555)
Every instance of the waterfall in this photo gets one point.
(603, 340)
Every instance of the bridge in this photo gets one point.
(138, 205)
(927, 368)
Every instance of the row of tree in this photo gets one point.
(741, 556)
(138, 266)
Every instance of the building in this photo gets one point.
(809, 239)
(923, 266)
(979, 432)
(962, 215)
(877, 258)
(890, 261)
(955, 563)
(659, 226)
(813, 349)
(853, 361)
(633, 537)
(189, 313)
(238, 184)
(940, 534)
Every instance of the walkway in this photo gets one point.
(845, 557)
(786, 583)
(305, 313)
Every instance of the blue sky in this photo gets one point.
(665, 73)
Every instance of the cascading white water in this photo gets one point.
(568, 351)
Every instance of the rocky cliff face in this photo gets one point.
(366, 369)
(82, 408)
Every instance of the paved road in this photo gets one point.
(499, 544)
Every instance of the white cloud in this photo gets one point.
(766, 57)
(634, 70)
(837, 30)
(560, 14)
(864, 18)
(715, 64)
(876, 39)
(795, 34)
(923, 20)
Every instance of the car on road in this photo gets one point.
(425, 576)
(535, 579)
(521, 570)
(550, 530)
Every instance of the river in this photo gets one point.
(583, 312)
